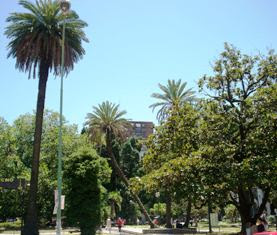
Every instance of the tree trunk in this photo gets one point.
(124, 179)
(31, 219)
(112, 209)
(87, 231)
(168, 211)
(209, 215)
(186, 225)
(245, 205)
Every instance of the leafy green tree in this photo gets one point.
(15, 158)
(127, 156)
(169, 163)
(130, 159)
(10, 204)
(231, 213)
(22, 135)
(132, 167)
(174, 94)
(35, 43)
(48, 163)
(11, 168)
(159, 209)
(173, 97)
(7, 146)
(107, 120)
(85, 167)
(238, 139)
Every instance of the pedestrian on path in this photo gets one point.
(109, 224)
(119, 223)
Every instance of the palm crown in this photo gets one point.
(174, 94)
(107, 118)
(36, 36)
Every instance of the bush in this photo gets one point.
(82, 176)
(271, 219)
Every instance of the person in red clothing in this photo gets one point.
(120, 223)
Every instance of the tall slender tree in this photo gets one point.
(35, 43)
(107, 120)
(173, 94)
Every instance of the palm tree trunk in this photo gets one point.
(124, 178)
(112, 209)
(31, 219)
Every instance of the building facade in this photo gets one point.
(141, 129)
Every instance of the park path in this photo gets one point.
(124, 230)
(114, 231)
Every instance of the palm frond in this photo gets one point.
(107, 116)
(35, 36)
(173, 94)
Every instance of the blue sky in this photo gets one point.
(136, 44)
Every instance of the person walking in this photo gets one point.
(119, 223)
(109, 224)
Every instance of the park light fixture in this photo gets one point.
(64, 6)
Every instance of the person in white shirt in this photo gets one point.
(109, 224)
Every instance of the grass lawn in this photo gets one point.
(10, 225)
(223, 227)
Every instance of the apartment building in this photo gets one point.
(141, 129)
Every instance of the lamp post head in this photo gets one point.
(65, 5)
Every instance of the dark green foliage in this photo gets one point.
(130, 210)
(132, 167)
(106, 122)
(239, 129)
(23, 129)
(127, 154)
(168, 163)
(84, 171)
(10, 203)
(226, 146)
(16, 153)
(130, 157)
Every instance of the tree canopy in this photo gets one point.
(223, 148)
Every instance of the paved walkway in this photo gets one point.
(114, 231)
(138, 231)
(42, 232)
(124, 230)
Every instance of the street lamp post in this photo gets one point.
(64, 6)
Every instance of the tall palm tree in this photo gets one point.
(174, 94)
(35, 43)
(108, 120)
